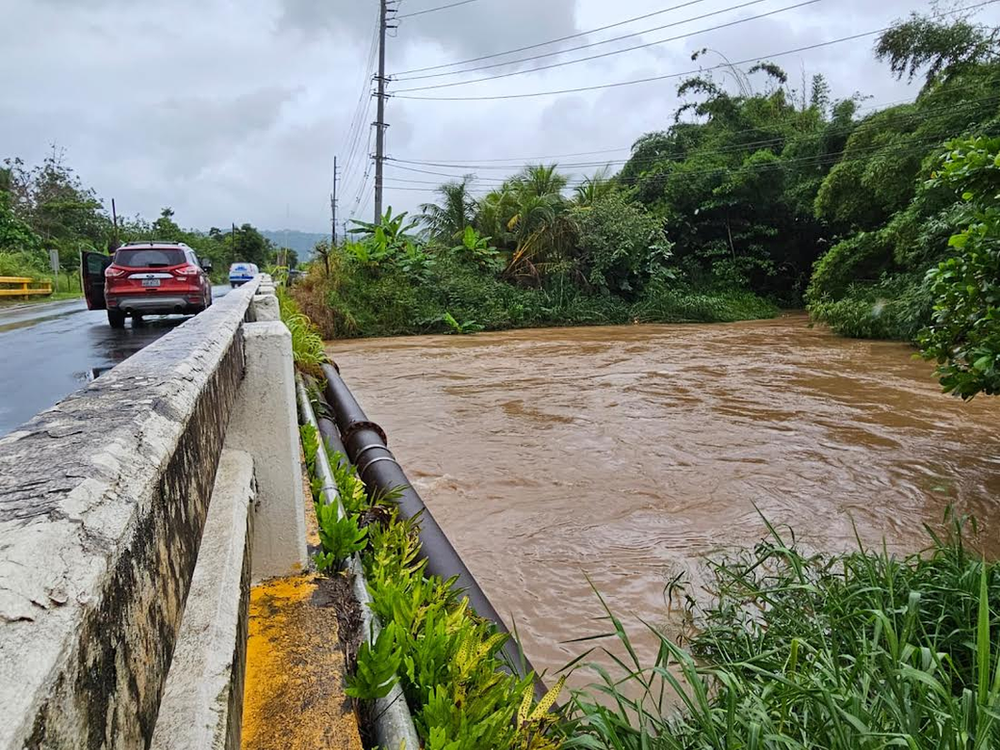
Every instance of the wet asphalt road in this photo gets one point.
(48, 350)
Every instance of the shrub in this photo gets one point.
(664, 304)
(619, 242)
(864, 256)
(964, 335)
(448, 661)
(896, 308)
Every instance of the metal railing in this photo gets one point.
(24, 289)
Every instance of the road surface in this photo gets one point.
(51, 349)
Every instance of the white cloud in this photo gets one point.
(231, 111)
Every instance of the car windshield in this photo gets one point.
(149, 258)
(239, 267)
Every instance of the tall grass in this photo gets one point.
(307, 344)
(858, 651)
(356, 301)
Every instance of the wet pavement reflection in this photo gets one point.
(49, 350)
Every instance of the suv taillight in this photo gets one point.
(187, 270)
(114, 272)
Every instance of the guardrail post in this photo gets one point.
(265, 425)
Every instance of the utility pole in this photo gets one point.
(333, 208)
(114, 218)
(380, 124)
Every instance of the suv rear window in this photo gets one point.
(150, 258)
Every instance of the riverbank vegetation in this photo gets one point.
(759, 194)
(846, 652)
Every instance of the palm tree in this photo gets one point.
(494, 213)
(448, 220)
(540, 180)
(532, 212)
(593, 189)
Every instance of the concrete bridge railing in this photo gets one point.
(133, 517)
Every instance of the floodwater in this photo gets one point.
(628, 454)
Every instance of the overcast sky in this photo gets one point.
(233, 111)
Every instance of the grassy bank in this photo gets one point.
(857, 651)
(454, 297)
(896, 308)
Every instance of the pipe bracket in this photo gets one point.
(354, 427)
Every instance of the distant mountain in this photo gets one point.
(301, 242)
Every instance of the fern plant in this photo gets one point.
(375, 675)
(340, 536)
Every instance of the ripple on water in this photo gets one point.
(626, 455)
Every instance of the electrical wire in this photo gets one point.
(508, 63)
(651, 79)
(435, 10)
(515, 162)
(900, 119)
(551, 41)
(362, 113)
(833, 158)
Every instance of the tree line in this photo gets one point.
(48, 207)
(757, 192)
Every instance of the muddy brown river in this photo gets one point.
(628, 454)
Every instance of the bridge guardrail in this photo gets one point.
(103, 503)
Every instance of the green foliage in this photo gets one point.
(375, 674)
(897, 307)
(307, 344)
(894, 221)
(865, 255)
(447, 222)
(479, 250)
(661, 303)
(339, 535)
(467, 327)
(941, 47)
(388, 244)
(448, 661)
(16, 236)
(621, 245)
(855, 652)
(964, 335)
(309, 436)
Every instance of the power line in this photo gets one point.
(508, 63)
(665, 77)
(737, 22)
(551, 41)
(515, 162)
(362, 114)
(435, 10)
(862, 154)
(917, 117)
(522, 159)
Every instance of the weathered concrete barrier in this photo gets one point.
(103, 506)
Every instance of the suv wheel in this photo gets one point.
(116, 318)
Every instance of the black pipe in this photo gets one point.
(367, 449)
(331, 435)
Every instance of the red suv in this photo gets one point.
(155, 278)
